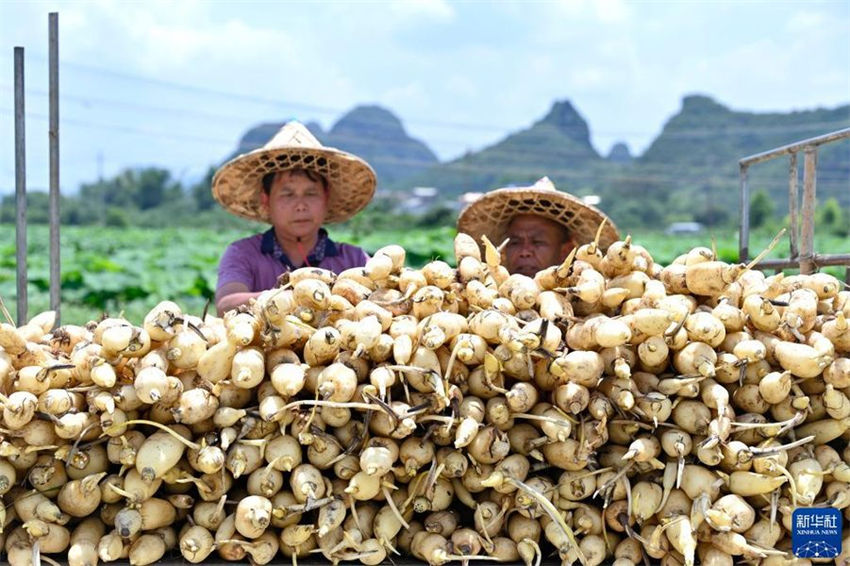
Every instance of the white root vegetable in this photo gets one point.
(247, 368)
(147, 549)
(800, 359)
(185, 348)
(215, 364)
(253, 516)
(160, 452)
(195, 406)
(196, 544)
(84, 541)
(390, 410)
(79, 498)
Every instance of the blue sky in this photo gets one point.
(175, 84)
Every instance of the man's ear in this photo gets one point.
(264, 200)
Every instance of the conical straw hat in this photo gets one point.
(491, 214)
(238, 184)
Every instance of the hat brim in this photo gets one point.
(238, 184)
(491, 214)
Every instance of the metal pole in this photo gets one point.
(744, 235)
(796, 146)
(53, 137)
(807, 237)
(20, 187)
(820, 260)
(793, 199)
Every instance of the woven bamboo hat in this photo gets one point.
(238, 184)
(491, 214)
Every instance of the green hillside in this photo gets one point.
(689, 172)
(558, 145)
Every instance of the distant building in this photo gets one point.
(419, 200)
(425, 192)
(677, 228)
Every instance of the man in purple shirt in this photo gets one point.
(295, 184)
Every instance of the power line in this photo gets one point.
(178, 136)
(335, 110)
(536, 153)
(257, 99)
(126, 129)
(87, 101)
(455, 166)
(361, 141)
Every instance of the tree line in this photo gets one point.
(148, 196)
(152, 197)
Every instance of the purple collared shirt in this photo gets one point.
(257, 261)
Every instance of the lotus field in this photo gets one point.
(130, 270)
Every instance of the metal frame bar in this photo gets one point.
(744, 232)
(795, 147)
(53, 139)
(793, 205)
(817, 259)
(807, 232)
(802, 229)
(20, 187)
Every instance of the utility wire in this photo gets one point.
(531, 170)
(334, 110)
(363, 143)
(88, 102)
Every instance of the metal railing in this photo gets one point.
(802, 229)
(20, 187)
(21, 178)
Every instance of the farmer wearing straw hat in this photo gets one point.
(542, 224)
(296, 184)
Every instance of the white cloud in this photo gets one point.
(404, 96)
(624, 65)
(806, 22)
(587, 77)
(612, 11)
(606, 11)
(462, 86)
(435, 10)
(167, 37)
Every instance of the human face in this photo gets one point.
(535, 244)
(296, 205)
